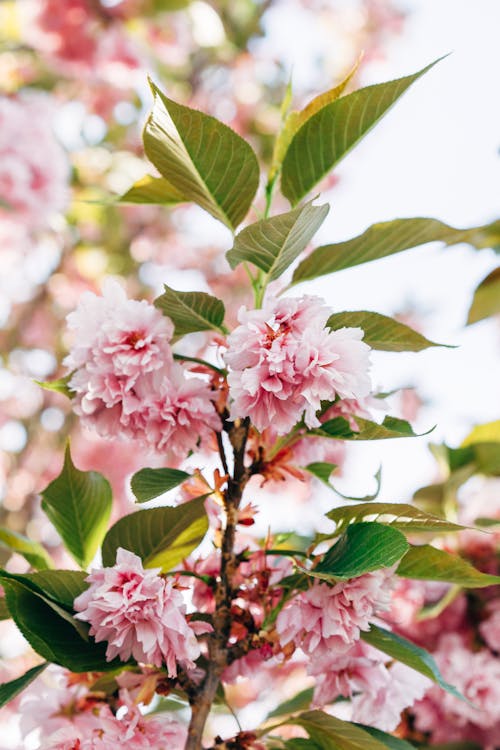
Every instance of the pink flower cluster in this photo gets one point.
(126, 382)
(102, 730)
(476, 675)
(33, 166)
(378, 691)
(327, 620)
(66, 716)
(139, 614)
(284, 362)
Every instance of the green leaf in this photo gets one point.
(9, 690)
(398, 515)
(486, 300)
(457, 746)
(388, 238)
(191, 311)
(50, 632)
(322, 471)
(426, 563)
(381, 332)
(326, 137)
(410, 654)
(58, 386)
(362, 548)
(31, 583)
(294, 120)
(33, 552)
(273, 244)
(4, 610)
(393, 743)
(152, 190)
(330, 733)
(299, 702)
(162, 537)
(392, 427)
(202, 158)
(300, 743)
(78, 503)
(62, 586)
(150, 483)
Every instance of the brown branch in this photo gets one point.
(218, 648)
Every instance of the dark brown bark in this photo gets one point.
(219, 651)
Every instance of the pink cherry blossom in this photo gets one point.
(476, 675)
(131, 729)
(139, 614)
(382, 705)
(358, 670)
(117, 335)
(284, 363)
(33, 166)
(125, 380)
(328, 619)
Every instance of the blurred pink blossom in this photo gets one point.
(105, 731)
(34, 168)
(381, 707)
(476, 675)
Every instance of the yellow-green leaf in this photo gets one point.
(294, 120)
(151, 189)
(273, 244)
(202, 158)
(486, 301)
(332, 131)
(381, 332)
(387, 238)
(426, 563)
(162, 537)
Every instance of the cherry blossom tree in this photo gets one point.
(156, 627)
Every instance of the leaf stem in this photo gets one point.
(185, 358)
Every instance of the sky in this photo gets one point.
(435, 154)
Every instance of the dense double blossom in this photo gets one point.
(327, 620)
(285, 361)
(67, 715)
(124, 377)
(139, 614)
(104, 731)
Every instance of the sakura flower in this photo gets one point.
(381, 707)
(182, 415)
(328, 619)
(132, 729)
(125, 380)
(117, 339)
(476, 674)
(139, 614)
(358, 670)
(284, 363)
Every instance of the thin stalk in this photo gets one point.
(197, 360)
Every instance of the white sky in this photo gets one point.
(435, 154)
